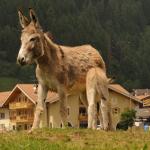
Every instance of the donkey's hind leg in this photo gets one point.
(100, 117)
(104, 111)
(91, 93)
(92, 119)
(104, 104)
(97, 83)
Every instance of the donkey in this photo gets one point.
(66, 70)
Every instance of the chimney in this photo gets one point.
(35, 88)
(146, 93)
(135, 93)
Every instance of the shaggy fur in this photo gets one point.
(66, 70)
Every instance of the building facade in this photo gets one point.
(20, 108)
(17, 108)
(143, 113)
(4, 112)
(121, 101)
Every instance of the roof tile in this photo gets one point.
(3, 97)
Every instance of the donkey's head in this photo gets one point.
(31, 39)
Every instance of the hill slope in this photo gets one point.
(119, 29)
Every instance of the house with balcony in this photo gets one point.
(121, 101)
(143, 113)
(4, 112)
(19, 106)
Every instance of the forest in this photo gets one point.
(119, 29)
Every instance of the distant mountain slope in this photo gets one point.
(119, 29)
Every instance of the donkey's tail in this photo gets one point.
(102, 83)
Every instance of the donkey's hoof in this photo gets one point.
(100, 128)
(94, 127)
(106, 129)
(30, 131)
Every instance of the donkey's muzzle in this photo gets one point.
(21, 61)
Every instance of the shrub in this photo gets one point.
(127, 119)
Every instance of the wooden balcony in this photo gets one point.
(146, 102)
(21, 119)
(83, 117)
(20, 105)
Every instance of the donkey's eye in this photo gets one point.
(33, 39)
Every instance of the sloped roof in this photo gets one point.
(142, 97)
(121, 90)
(28, 90)
(52, 97)
(3, 97)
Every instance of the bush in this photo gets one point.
(127, 119)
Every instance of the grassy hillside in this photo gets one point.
(75, 139)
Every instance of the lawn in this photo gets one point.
(75, 139)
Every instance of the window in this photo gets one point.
(25, 99)
(29, 126)
(82, 111)
(19, 113)
(61, 125)
(2, 115)
(25, 112)
(116, 110)
(14, 127)
(19, 99)
(69, 124)
(68, 111)
(25, 127)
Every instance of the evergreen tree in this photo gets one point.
(118, 29)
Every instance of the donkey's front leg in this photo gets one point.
(42, 93)
(63, 108)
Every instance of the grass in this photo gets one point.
(75, 139)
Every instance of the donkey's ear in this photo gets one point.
(23, 20)
(33, 17)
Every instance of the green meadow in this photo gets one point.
(75, 139)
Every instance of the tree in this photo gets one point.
(118, 29)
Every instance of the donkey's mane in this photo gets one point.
(53, 46)
(50, 35)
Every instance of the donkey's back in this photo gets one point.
(83, 57)
(78, 61)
